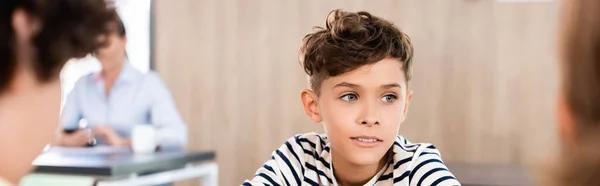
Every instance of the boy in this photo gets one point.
(359, 68)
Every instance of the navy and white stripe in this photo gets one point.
(305, 159)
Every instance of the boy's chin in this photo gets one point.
(365, 158)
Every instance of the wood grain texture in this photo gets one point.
(484, 75)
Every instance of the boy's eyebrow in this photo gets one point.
(352, 85)
(346, 84)
(391, 85)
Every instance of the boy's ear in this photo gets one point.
(407, 104)
(310, 104)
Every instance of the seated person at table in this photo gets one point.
(117, 98)
(36, 39)
(359, 67)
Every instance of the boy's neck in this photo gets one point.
(349, 174)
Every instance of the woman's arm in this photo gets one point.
(172, 130)
(69, 119)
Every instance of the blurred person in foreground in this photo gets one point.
(117, 98)
(360, 68)
(37, 37)
(579, 100)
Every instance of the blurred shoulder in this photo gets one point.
(154, 80)
(310, 141)
(87, 79)
(152, 76)
(404, 146)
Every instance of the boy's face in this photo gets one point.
(361, 110)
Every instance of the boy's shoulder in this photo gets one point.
(312, 136)
(311, 141)
(424, 162)
(411, 156)
(401, 144)
(308, 147)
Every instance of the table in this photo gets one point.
(111, 166)
(471, 174)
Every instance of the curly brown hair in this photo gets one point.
(119, 26)
(580, 60)
(351, 40)
(70, 29)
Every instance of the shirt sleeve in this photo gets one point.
(429, 169)
(268, 174)
(284, 167)
(172, 130)
(71, 113)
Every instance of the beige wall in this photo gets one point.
(484, 77)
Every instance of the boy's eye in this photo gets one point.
(389, 98)
(349, 97)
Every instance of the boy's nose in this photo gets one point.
(370, 122)
(369, 116)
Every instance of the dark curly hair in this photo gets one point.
(351, 40)
(119, 26)
(580, 60)
(69, 29)
(115, 26)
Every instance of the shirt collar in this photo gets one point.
(326, 154)
(398, 153)
(128, 75)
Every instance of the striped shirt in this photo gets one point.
(305, 159)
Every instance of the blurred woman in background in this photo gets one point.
(36, 39)
(579, 101)
(118, 98)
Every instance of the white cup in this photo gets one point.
(144, 139)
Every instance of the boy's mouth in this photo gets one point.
(366, 139)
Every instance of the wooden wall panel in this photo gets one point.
(528, 78)
(484, 75)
